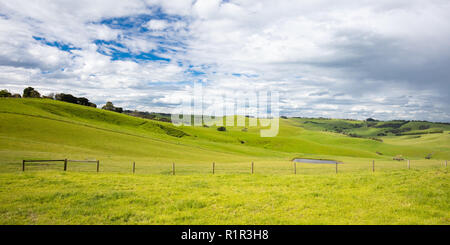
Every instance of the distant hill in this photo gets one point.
(356, 128)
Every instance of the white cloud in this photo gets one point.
(380, 58)
(206, 8)
(157, 24)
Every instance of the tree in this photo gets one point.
(31, 93)
(83, 101)
(74, 100)
(118, 109)
(5, 93)
(109, 106)
(66, 98)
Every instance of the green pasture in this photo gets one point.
(278, 192)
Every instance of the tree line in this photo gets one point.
(30, 92)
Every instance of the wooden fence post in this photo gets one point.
(409, 165)
(98, 166)
(373, 165)
(253, 167)
(336, 167)
(134, 167)
(214, 166)
(23, 165)
(65, 164)
(295, 167)
(173, 168)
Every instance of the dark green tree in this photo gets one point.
(5, 93)
(83, 101)
(118, 109)
(31, 93)
(66, 98)
(109, 106)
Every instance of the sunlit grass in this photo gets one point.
(395, 197)
(274, 194)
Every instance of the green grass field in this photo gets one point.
(44, 194)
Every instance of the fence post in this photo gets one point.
(134, 167)
(409, 165)
(295, 167)
(98, 165)
(253, 167)
(373, 165)
(214, 166)
(65, 164)
(336, 167)
(173, 168)
(23, 165)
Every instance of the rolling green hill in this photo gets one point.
(374, 128)
(33, 126)
(48, 129)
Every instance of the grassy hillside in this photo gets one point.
(35, 124)
(47, 129)
(374, 128)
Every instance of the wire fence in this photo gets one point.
(220, 168)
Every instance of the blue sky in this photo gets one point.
(381, 59)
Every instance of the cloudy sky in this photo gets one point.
(344, 59)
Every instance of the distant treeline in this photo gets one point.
(393, 126)
(369, 121)
(30, 92)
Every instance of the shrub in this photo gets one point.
(172, 131)
(222, 129)
(398, 158)
(376, 139)
(354, 135)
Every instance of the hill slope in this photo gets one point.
(39, 128)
